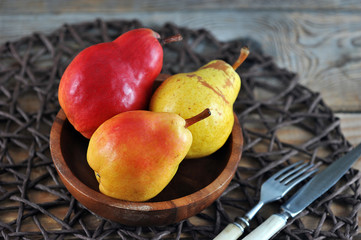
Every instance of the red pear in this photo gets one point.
(109, 78)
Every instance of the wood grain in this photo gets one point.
(319, 40)
(323, 48)
(120, 6)
(351, 128)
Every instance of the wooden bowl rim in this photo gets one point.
(67, 175)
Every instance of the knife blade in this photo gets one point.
(317, 186)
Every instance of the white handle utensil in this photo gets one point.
(273, 189)
(317, 186)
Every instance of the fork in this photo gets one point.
(273, 189)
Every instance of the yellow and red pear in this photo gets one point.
(135, 154)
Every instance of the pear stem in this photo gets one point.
(204, 114)
(244, 54)
(171, 39)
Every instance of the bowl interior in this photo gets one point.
(192, 175)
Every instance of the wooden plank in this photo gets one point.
(351, 127)
(323, 49)
(123, 6)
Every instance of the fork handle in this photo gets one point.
(233, 230)
(269, 228)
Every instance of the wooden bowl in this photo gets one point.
(197, 183)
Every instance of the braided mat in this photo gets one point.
(34, 204)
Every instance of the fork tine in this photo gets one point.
(303, 177)
(283, 177)
(277, 174)
(298, 173)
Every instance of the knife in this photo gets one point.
(317, 186)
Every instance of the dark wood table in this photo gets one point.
(318, 40)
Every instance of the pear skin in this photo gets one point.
(215, 86)
(136, 153)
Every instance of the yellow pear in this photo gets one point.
(215, 86)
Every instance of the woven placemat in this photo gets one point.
(34, 204)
